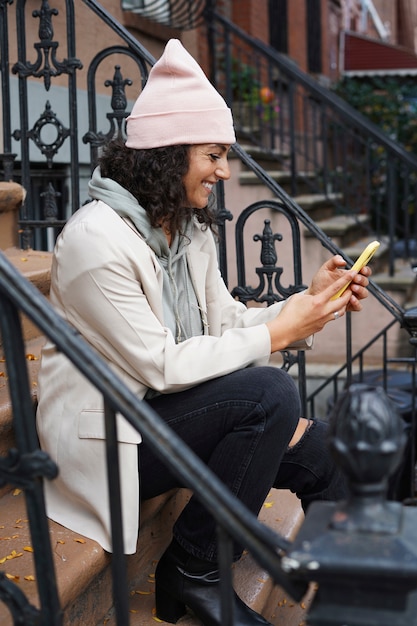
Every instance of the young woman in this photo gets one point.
(135, 272)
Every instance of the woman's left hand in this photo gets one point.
(333, 269)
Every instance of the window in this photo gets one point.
(278, 25)
(159, 10)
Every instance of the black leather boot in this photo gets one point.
(177, 588)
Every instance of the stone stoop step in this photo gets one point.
(35, 266)
(282, 512)
(83, 568)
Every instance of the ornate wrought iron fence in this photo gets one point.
(28, 136)
(41, 150)
(325, 144)
(27, 466)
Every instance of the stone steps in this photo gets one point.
(282, 512)
(82, 567)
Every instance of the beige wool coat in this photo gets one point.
(107, 283)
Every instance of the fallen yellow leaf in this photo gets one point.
(79, 540)
(16, 492)
(13, 555)
(28, 549)
(30, 577)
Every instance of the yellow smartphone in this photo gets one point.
(363, 260)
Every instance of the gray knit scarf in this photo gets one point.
(181, 311)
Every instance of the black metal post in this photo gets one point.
(362, 552)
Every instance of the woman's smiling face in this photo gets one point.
(207, 164)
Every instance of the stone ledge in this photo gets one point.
(12, 196)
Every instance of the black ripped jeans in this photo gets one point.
(240, 426)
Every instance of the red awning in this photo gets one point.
(362, 56)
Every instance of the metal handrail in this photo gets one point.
(325, 143)
(231, 515)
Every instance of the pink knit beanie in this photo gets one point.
(178, 105)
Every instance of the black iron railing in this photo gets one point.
(304, 126)
(27, 465)
(42, 151)
(325, 144)
(292, 124)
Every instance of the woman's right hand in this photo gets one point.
(304, 315)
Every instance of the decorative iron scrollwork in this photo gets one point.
(23, 613)
(269, 274)
(46, 64)
(48, 118)
(119, 114)
(20, 469)
(289, 359)
(50, 208)
(4, 2)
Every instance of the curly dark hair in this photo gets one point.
(155, 178)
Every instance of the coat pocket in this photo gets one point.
(91, 426)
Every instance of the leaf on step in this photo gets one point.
(154, 615)
(132, 611)
(28, 549)
(30, 577)
(268, 505)
(143, 593)
(13, 555)
(77, 540)
(31, 357)
(16, 492)
(12, 577)
(261, 580)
